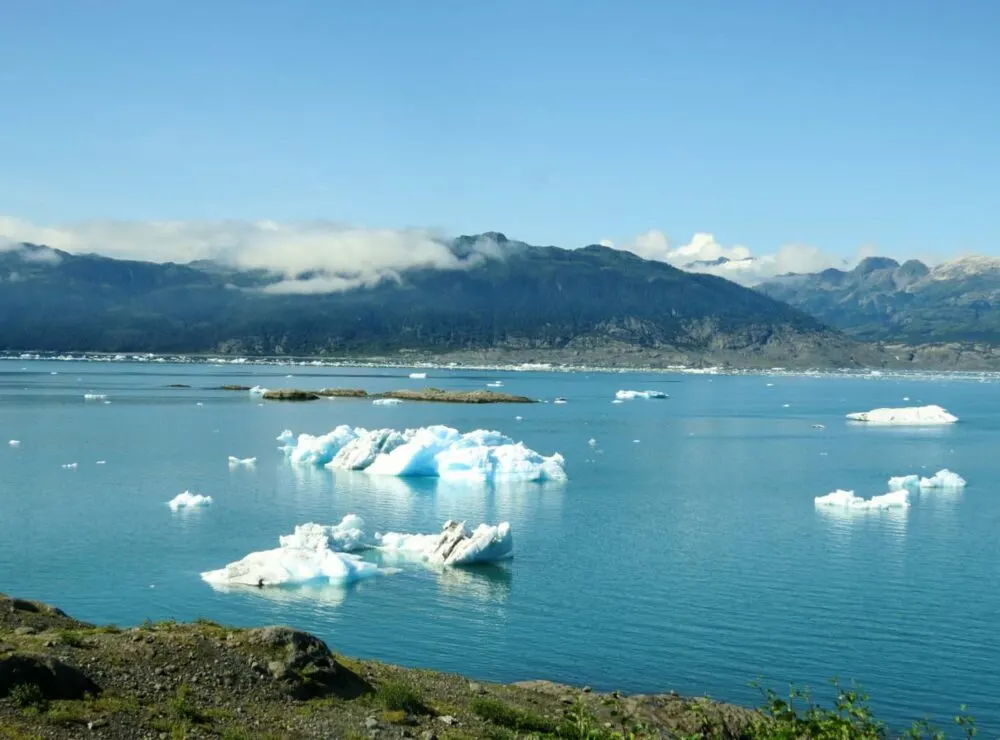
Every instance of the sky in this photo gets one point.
(818, 130)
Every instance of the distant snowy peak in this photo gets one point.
(966, 267)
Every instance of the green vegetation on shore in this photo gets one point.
(61, 678)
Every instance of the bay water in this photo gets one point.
(684, 553)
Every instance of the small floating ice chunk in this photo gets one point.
(903, 482)
(495, 384)
(95, 397)
(635, 441)
(770, 385)
(818, 426)
(387, 402)
(244, 461)
(69, 466)
(257, 390)
(618, 400)
(912, 415)
(199, 404)
(456, 545)
(847, 500)
(592, 442)
(15, 443)
(518, 418)
(786, 405)
(560, 400)
(906, 398)
(188, 500)
(101, 462)
(942, 479)
(632, 395)
(418, 376)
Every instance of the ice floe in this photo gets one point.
(347, 536)
(418, 376)
(69, 466)
(495, 384)
(15, 443)
(435, 451)
(942, 479)
(455, 545)
(244, 461)
(387, 402)
(632, 395)
(910, 415)
(285, 566)
(101, 462)
(847, 500)
(94, 397)
(903, 482)
(188, 500)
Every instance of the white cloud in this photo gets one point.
(704, 254)
(338, 257)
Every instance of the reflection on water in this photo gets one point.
(488, 582)
(325, 594)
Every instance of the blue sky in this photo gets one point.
(766, 122)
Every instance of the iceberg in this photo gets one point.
(386, 402)
(245, 461)
(348, 536)
(435, 451)
(70, 466)
(632, 395)
(418, 376)
(847, 500)
(455, 545)
(903, 482)
(15, 443)
(285, 566)
(188, 500)
(910, 415)
(942, 479)
(313, 552)
(94, 397)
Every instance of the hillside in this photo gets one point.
(881, 299)
(593, 303)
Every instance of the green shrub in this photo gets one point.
(29, 696)
(513, 718)
(399, 696)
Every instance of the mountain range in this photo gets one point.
(593, 304)
(883, 300)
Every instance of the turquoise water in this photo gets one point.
(692, 559)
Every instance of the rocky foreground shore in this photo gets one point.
(62, 678)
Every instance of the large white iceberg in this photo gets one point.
(943, 479)
(912, 416)
(632, 395)
(455, 545)
(188, 500)
(436, 451)
(847, 500)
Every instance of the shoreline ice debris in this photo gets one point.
(632, 395)
(847, 500)
(942, 479)
(909, 415)
(257, 390)
(455, 545)
(188, 500)
(435, 451)
(245, 461)
(312, 552)
(95, 397)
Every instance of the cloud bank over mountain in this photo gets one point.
(704, 254)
